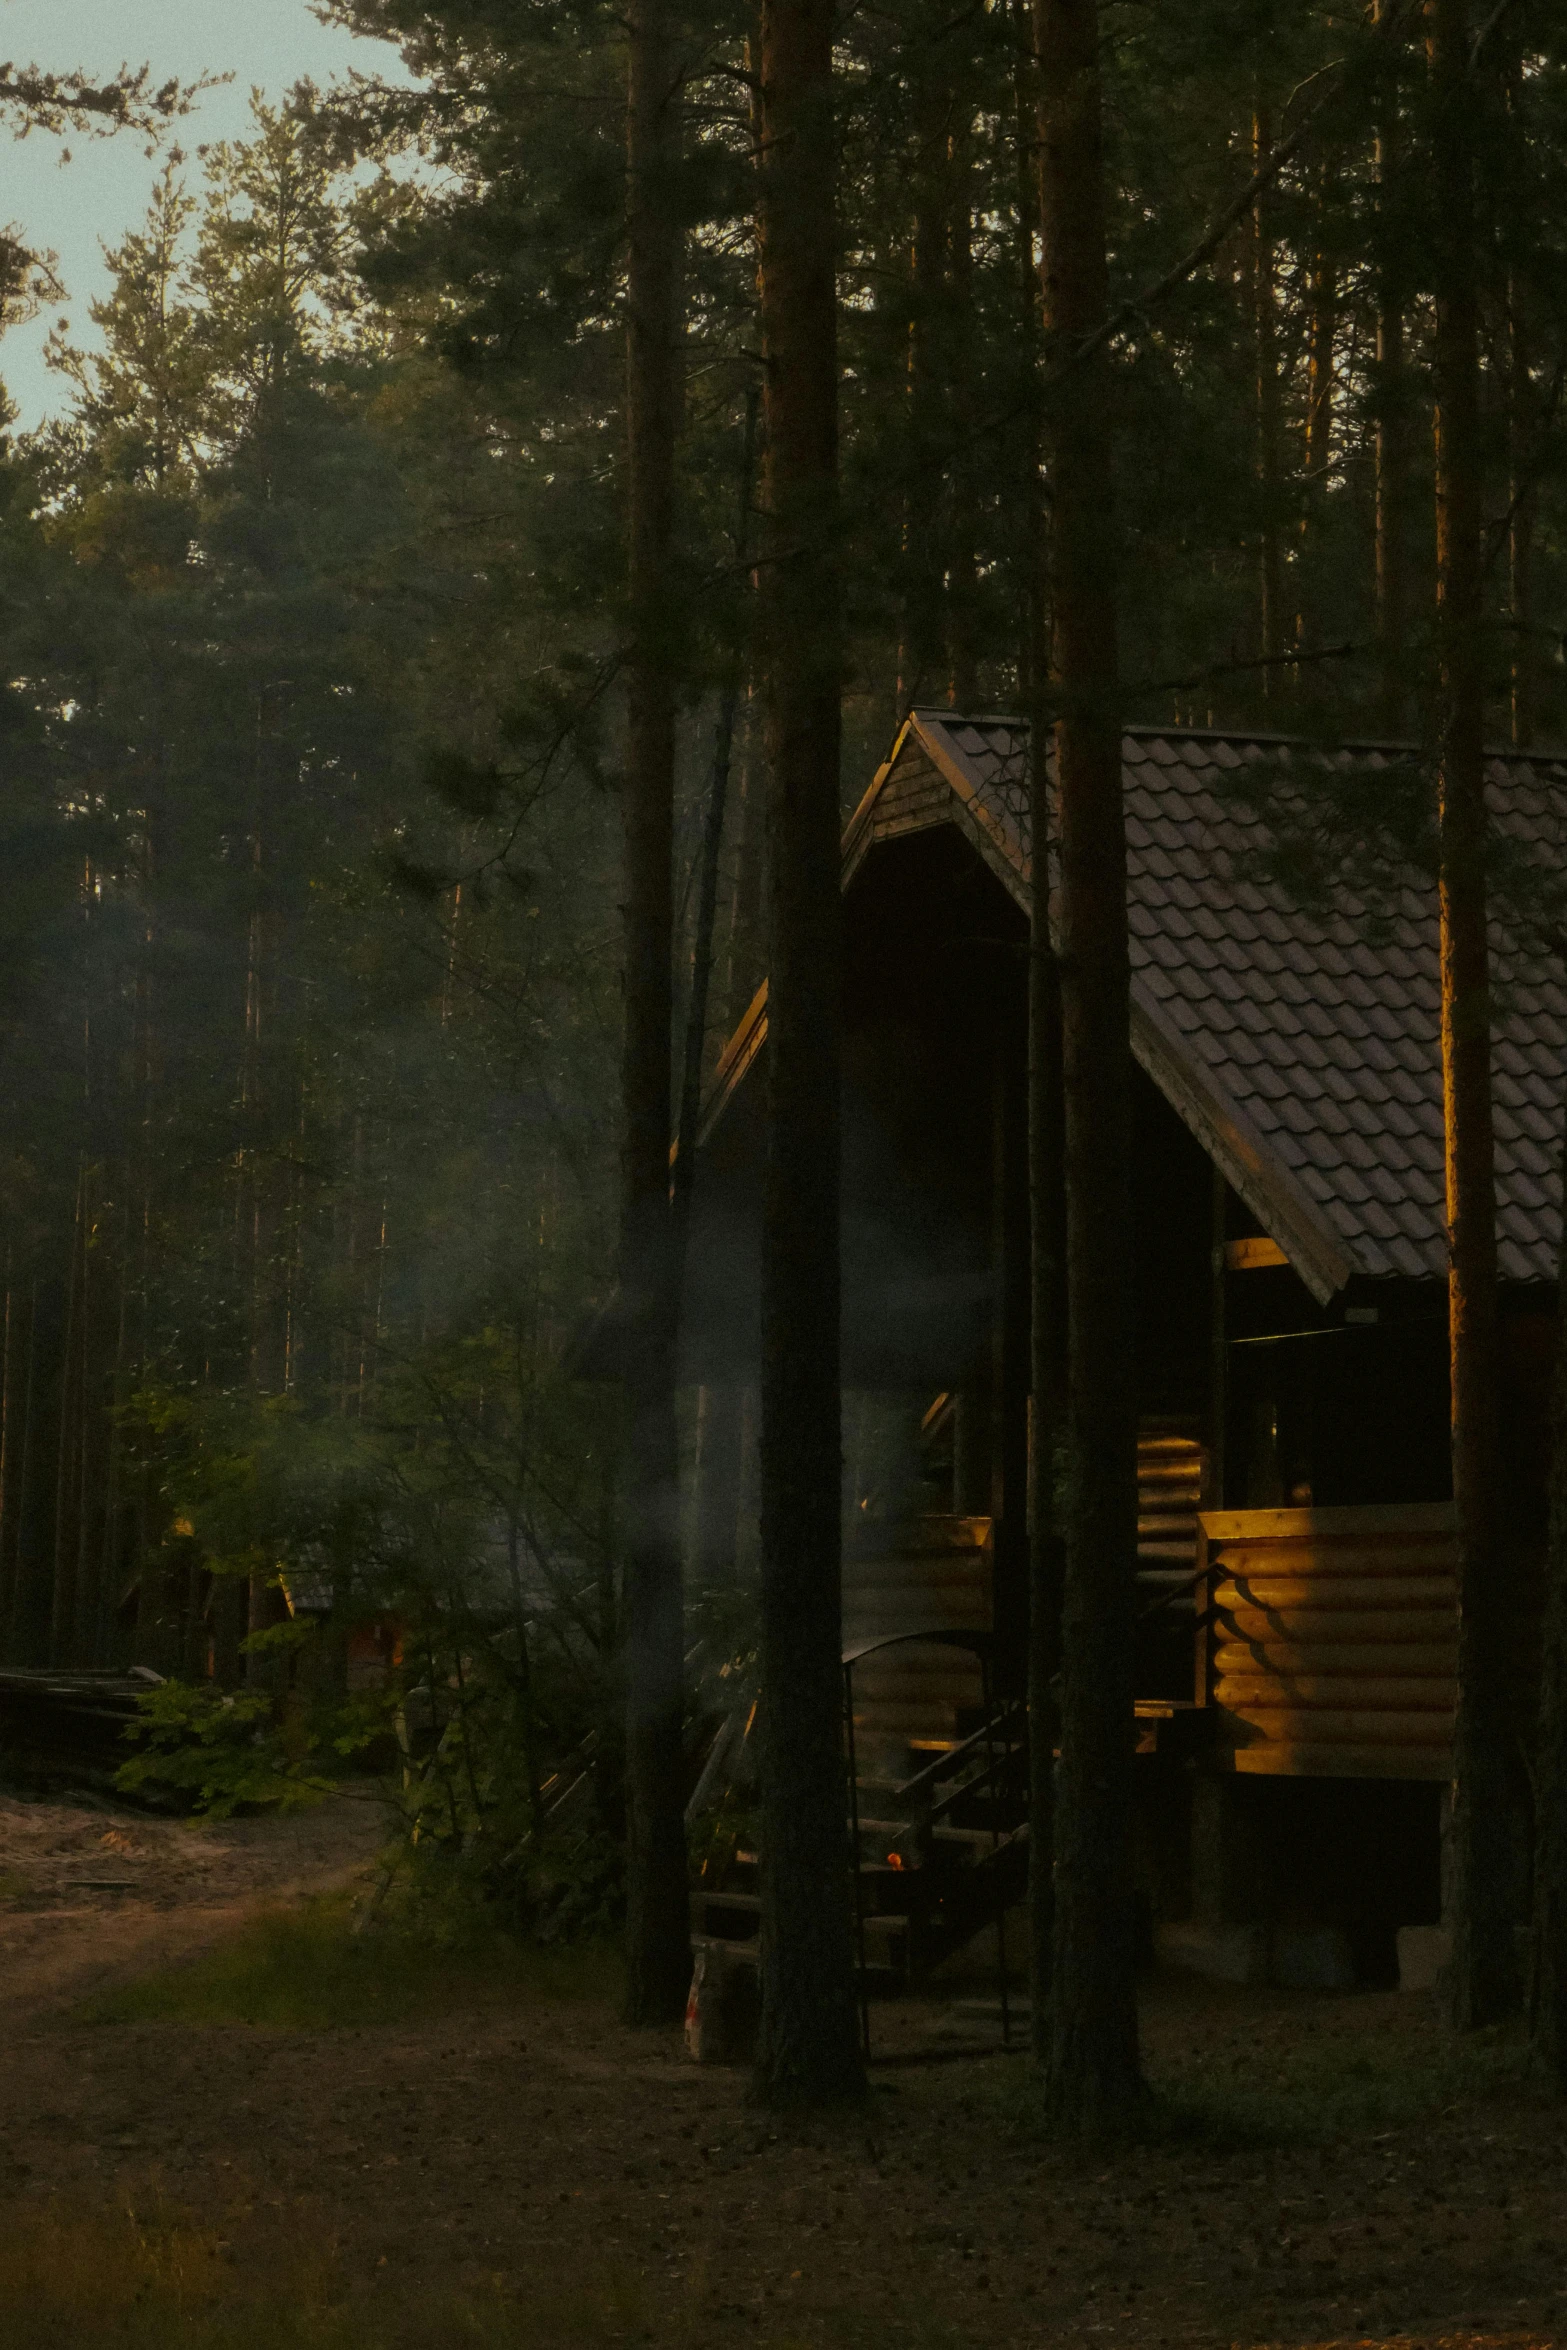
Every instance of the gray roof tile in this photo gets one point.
(1324, 1037)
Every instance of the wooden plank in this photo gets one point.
(1347, 1727)
(1382, 1592)
(1202, 1595)
(886, 1598)
(1293, 1559)
(923, 1538)
(1302, 1761)
(1325, 1627)
(1252, 1254)
(1411, 1517)
(857, 1629)
(1404, 1692)
(939, 1723)
(1274, 1655)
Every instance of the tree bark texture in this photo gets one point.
(809, 2051)
(1265, 326)
(1047, 1302)
(1484, 1971)
(1523, 516)
(923, 664)
(1047, 1289)
(1391, 442)
(964, 621)
(1548, 1972)
(658, 1933)
(1094, 2075)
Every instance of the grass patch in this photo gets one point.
(305, 1970)
(1318, 2090)
(150, 2278)
(1321, 2090)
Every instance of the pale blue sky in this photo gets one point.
(78, 207)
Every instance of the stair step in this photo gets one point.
(744, 1953)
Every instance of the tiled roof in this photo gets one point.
(1307, 1046)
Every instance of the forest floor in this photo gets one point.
(227, 2123)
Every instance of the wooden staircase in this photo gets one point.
(938, 1766)
(940, 1848)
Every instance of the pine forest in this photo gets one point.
(504, 521)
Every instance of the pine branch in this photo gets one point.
(1231, 214)
(72, 101)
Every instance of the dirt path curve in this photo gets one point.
(91, 1891)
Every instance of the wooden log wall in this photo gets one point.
(1331, 1641)
(927, 1574)
(1172, 1485)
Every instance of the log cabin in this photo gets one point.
(1297, 1617)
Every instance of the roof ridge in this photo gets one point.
(1535, 754)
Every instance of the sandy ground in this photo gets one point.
(90, 1891)
(540, 2149)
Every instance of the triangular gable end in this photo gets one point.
(928, 779)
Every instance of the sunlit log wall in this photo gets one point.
(1330, 1644)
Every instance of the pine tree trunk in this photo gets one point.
(1548, 1973)
(1047, 1304)
(1523, 512)
(10, 1425)
(1265, 326)
(1047, 1290)
(1321, 336)
(1034, 633)
(963, 617)
(658, 1931)
(1094, 2078)
(1391, 448)
(809, 2050)
(922, 663)
(1484, 1972)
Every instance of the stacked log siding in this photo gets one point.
(930, 1574)
(1332, 1639)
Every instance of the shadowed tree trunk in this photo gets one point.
(1548, 1974)
(1046, 1308)
(1523, 512)
(1046, 1292)
(1484, 1970)
(809, 2051)
(1265, 326)
(1321, 338)
(963, 613)
(922, 661)
(1094, 2076)
(1391, 447)
(658, 1931)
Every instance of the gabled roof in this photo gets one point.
(1303, 1052)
